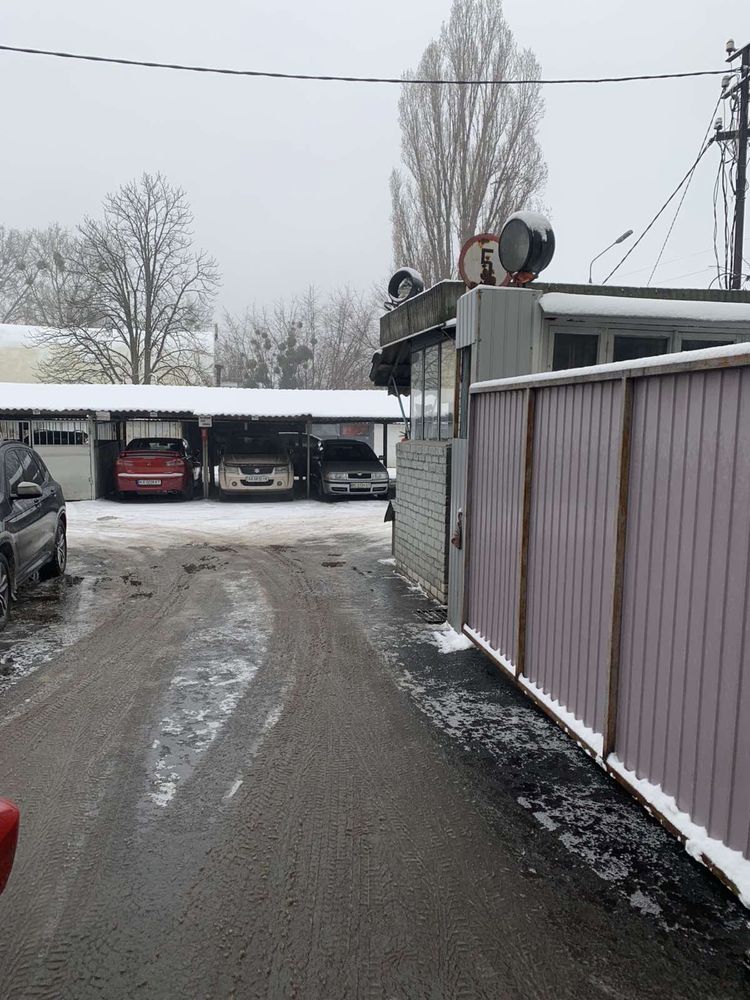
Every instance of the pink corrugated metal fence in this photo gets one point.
(608, 567)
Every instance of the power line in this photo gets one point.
(682, 199)
(686, 178)
(267, 74)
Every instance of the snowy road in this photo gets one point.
(246, 769)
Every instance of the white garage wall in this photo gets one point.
(70, 465)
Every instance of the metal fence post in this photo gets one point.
(523, 562)
(621, 523)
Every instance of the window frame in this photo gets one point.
(418, 356)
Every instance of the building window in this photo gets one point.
(447, 391)
(431, 404)
(433, 391)
(701, 345)
(417, 393)
(631, 348)
(574, 350)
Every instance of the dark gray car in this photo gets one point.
(32, 522)
(346, 468)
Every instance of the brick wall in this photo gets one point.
(422, 514)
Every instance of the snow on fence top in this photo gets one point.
(721, 357)
(317, 404)
(627, 308)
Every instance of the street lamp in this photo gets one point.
(620, 239)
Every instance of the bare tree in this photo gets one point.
(348, 340)
(471, 153)
(303, 343)
(18, 272)
(128, 301)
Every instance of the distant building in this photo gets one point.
(21, 358)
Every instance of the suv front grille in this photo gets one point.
(257, 470)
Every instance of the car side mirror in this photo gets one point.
(25, 491)
(9, 822)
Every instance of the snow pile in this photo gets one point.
(698, 844)
(448, 640)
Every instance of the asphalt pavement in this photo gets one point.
(246, 770)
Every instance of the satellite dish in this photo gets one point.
(479, 261)
(527, 244)
(404, 285)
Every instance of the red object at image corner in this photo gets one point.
(9, 822)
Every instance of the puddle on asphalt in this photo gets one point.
(219, 665)
(46, 618)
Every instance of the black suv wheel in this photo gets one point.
(5, 591)
(56, 565)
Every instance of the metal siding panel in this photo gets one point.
(572, 544)
(684, 699)
(494, 536)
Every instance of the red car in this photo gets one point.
(9, 819)
(157, 465)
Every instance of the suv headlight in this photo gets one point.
(280, 470)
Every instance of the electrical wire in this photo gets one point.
(682, 199)
(717, 182)
(187, 68)
(663, 208)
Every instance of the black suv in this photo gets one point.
(32, 522)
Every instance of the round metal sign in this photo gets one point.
(479, 262)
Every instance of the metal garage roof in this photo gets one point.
(317, 404)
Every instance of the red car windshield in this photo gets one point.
(155, 444)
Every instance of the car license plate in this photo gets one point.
(359, 486)
(256, 479)
(149, 482)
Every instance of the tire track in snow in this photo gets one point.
(220, 663)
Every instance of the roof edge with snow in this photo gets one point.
(195, 401)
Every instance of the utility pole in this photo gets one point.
(738, 136)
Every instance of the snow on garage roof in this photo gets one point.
(570, 304)
(318, 404)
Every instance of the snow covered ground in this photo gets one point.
(159, 521)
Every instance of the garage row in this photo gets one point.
(81, 451)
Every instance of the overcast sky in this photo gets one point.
(289, 181)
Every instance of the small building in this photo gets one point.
(435, 345)
(79, 429)
(21, 356)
